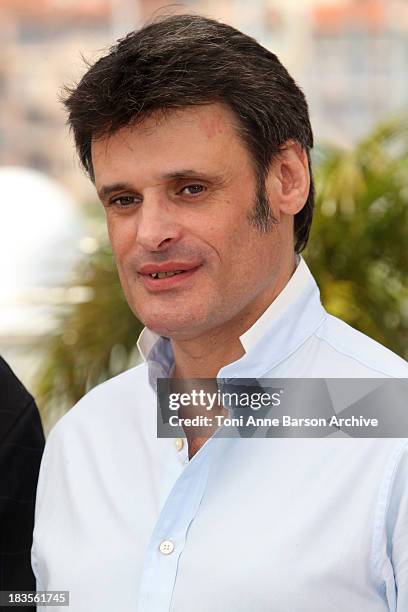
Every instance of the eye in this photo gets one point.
(123, 201)
(194, 189)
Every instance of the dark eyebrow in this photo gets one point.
(106, 190)
(191, 174)
(180, 174)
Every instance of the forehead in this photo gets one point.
(203, 136)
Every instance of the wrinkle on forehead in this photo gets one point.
(210, 126)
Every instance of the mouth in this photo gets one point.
(159, 280)
(156, 275)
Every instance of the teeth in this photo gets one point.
(165, 274)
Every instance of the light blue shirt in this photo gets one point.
(125, 522)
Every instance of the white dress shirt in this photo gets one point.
(126, 523)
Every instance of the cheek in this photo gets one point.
(255, 254)
(121, 236)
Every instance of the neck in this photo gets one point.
(205, 355)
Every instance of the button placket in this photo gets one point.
(170, 532)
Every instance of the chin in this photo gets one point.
(165, 324)
(174, 325)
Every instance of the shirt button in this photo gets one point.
(179, 442)
(166, 547)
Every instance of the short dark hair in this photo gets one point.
(186, 60)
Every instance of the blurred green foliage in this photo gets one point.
(358, 249)
(358, 252)
(95, 339)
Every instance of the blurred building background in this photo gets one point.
(349, 56)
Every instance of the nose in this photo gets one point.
(157, 226)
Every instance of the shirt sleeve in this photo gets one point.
(51, 496)
(397, 532)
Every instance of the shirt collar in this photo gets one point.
(289, 294)
(291, 318)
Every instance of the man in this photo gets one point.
(21, 446)
(198, 140)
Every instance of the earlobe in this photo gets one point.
(292, 178)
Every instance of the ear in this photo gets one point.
(288, 180)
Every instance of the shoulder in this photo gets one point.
(363, 355)
(111, 403)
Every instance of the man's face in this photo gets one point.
(179, 191)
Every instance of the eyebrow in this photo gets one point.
(181, 174)
(106, 190)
